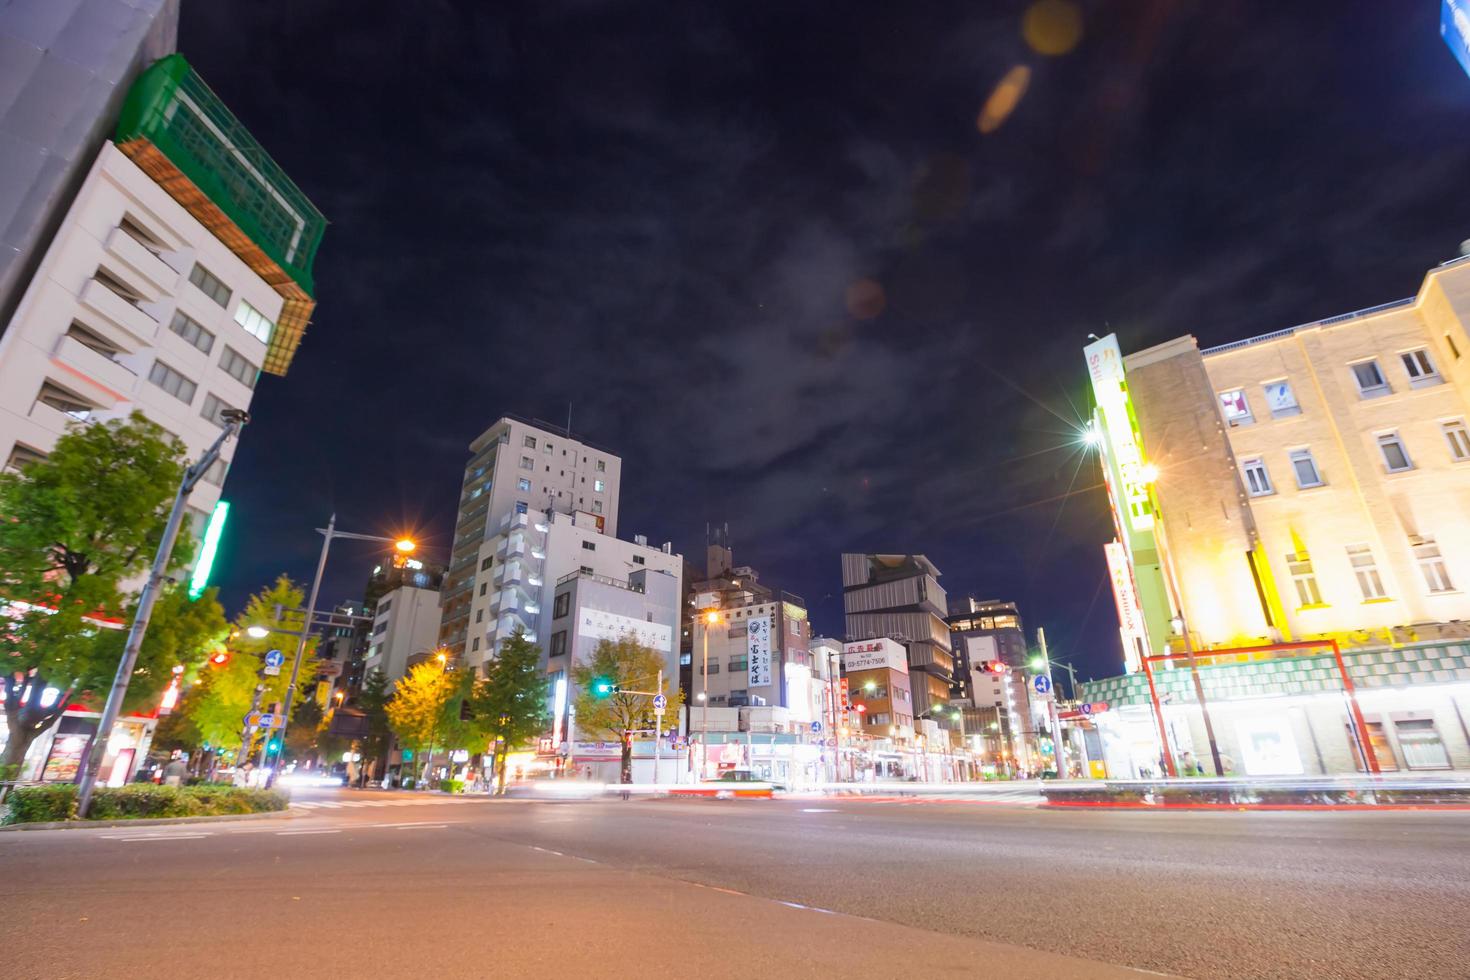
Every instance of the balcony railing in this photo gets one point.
(119, 312)
(157, 273)
(97, 367)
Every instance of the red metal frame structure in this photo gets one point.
(1360, 727)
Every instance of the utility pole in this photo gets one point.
(1056, 721)
(658, 726)
(234, 420)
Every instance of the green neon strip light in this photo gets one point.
(205, 565)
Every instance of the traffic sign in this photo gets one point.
(273, 661)
(816, 726)
(1042, 683)
(660, 702)
(1085, 707)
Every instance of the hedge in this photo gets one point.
(30, 804)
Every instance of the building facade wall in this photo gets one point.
(405, 627)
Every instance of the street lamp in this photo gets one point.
(711, 618)
(328, 534)
(257, 632)
(234, 420)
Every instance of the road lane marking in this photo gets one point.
(162, 837)
(816, 809)
(296, 833)
(422, 826)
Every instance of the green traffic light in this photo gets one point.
(603, 687)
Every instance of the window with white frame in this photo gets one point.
(529, 442)
(1458, 438)
(1257, 480)
(210, 285)
(523, 485)
(1371, 383)
(1421, 744)
(254, 322)
(188, 328)
(602, 466)
(1395, 455)
(1365, 567)
(527, 463)
(1280, 399)
(213, 407)
(172, 382)
(598, 485)
(216, 472)
(64, 401)
(1431, 564)
(1420, 368)
(1237, 410)
(239, 367)
(1300, 566)
(1305, 468)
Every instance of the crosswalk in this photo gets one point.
(353, 804)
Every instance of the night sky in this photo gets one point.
(767, 252)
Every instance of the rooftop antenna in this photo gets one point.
(569, 418)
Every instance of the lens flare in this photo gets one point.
(1003, 99)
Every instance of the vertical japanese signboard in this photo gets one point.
(1110, 389)
(758, 651)
(1130, 610)
(1454, 27)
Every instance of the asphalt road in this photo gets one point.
(389, 885)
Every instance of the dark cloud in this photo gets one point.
(659, 212)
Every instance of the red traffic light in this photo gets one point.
(996, 667)
(220, 658)
(861, 708)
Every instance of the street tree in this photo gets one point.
(78, 531)
(372, 700)
(628, 666)
(509, 704)
(424, 709)
(228, 688)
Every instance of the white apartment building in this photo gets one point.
(163, 288)
(405, 631)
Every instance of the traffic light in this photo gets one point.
(219, 658)
(466, 713)
(603, 687)
(273, 746)
(995, 667)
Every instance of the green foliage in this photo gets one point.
(30, 804)
(632, 667)
(424, 710)
(372, 700)
(452, 785)
(225, 692)
(78, 525)
(41, 804)
(509, 704)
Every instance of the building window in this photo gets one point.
(602, 466)
(547, 448)
(1382, 751)
(597, 507)
(881, 718)
(588, 546)
(638, 560)
(485, 564)
(479, 615)
(1420, 368)
(475, 645)
(1281, 400)
(188, 328)
(172, 382)
(1257, 480)
(561, 605)
(1237, 410)
(233, 363)
(522, 507)
(598, 486)
(65, 401)
(1365, 566)
(254, 322)
(1421, 744)
(1395, 456)
(559, 642)
(483, 587)
(216, 473)
(586, 569)
(1300, 566)
(523, 485)
(527, 463)
(1458, 438)
(713, 668)
(1431, 564)
(529, 442)
(739, 663)
(210, 285)
(213, 406)
(1305, 467)
(685, 659)
(1371, 383)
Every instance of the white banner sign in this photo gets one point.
(875, 655)
(601, 625)
(758, 651)
(1130, 611)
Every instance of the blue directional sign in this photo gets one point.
(1454, 27)
(1042, 683)
(816, 726)
(660, 702)
(274, 658)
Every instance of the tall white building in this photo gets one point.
(404, 632)
(180, 271)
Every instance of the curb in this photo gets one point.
(144, 822)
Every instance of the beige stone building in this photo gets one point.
(1315, 481)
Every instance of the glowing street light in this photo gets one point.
(404, 545)
(258, 632)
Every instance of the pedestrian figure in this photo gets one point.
(174, 772)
